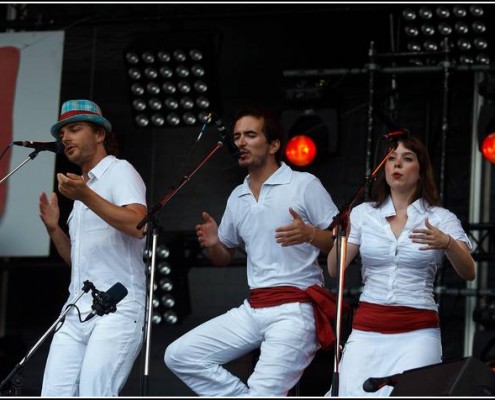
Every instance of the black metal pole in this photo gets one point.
(372, 67)
(445, 115)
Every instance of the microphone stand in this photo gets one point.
(30, 157)
(17, 384)
(149, 302)
(339, 227)
(150, 217)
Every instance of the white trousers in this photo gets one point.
(285, 335)
(94, 358)
(376, 355)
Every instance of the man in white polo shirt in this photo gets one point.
(103, 246)
(278, 216)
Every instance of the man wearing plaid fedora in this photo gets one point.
(94, 356)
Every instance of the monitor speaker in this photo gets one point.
(465, 377)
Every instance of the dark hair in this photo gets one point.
(272, 128)
(426, 188)
(111, 143)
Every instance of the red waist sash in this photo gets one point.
(324, 306)
(393, 319)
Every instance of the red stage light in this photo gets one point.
(300, 150)
(488, 147)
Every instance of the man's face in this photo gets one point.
(252, 143)
(81, 141)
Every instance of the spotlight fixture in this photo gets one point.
(427, 26)
(486, 119)
(312, 135)
(171, 301)
(172, 79)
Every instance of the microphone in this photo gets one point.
(106, 302)
(226, 139)
(56, 147)
(374, 384)
(402, 133)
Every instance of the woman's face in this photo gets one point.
(402, 170)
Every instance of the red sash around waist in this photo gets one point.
(324, 306)
(393, 319)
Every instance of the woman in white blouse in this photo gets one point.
(402, 235)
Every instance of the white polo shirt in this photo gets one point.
(100, 253)
(251, 225)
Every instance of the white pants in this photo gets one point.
(94, 358)
(376, 355)
(285, 335)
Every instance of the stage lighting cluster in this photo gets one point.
(427, 27)
(169, 87)
(171, 301)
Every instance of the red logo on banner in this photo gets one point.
(9, 67)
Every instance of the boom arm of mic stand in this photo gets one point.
(339, 227)
(87, 286)
(30, 157)
(175, 189)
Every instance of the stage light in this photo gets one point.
(168, 301)
(142, 120)
(312, 135)
(164, 268)
(168, 74)
(165, 284)
(462, 28)
(409, 15)
(425, 13)
(156, 318)
(139, 104)
(157, 119)
(170, 317)
(486, 119)
(459, 11)
(300, 150)
(162, 251)
(488, 147)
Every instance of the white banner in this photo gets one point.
(30, 79)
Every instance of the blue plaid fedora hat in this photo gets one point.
(80, 110)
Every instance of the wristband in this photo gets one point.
(312, 236)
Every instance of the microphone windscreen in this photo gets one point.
(60, 147)
(116, 293)
(369, 385)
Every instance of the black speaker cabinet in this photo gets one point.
(465, 377)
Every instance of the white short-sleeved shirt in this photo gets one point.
(100, 253)
(251, 225)
(394, 271)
